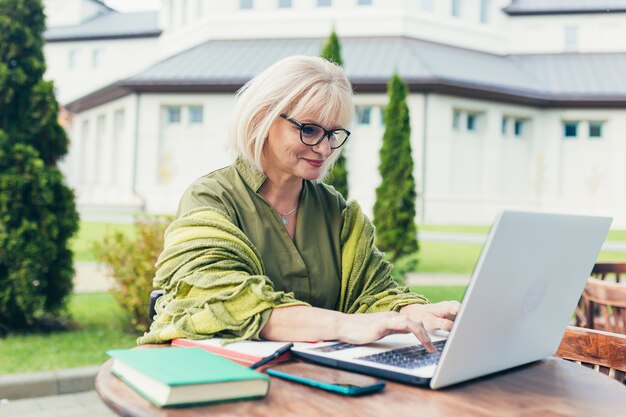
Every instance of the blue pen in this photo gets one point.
(273, 356)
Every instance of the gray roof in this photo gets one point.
(535, 7)
(367, 61)
(540, 80)
(111, 25)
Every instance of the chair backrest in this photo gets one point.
(154, 296)
(605, 306)
(595, 348)
(602, 270)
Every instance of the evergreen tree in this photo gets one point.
(338, 176)
(394, 210)
(37, 210)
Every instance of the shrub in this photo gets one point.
(394, 209)
(37, 211)
(403, 266)
(338, 176)
(37, 218)
(131, 263)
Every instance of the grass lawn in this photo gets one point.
(460, 258)
(440, 293)
(89, 232)
(447, 258)
(100, 324)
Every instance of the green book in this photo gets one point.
(186, 376)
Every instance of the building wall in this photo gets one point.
(81, 67)
(466, 176)
(187, 23)
(127, 155)
(567, 33)
(101, 158)
(70, 12)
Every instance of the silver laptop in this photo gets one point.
(519, 301)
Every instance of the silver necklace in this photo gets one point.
(283, 217)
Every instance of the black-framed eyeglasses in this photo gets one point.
(312, 134)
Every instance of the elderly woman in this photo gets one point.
(262, 249)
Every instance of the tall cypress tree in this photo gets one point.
(394, 210)
(37, 210)
(338, 177)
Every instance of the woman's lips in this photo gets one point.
(314, 162)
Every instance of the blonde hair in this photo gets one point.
(294, 86)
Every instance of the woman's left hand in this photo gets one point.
(433, 316)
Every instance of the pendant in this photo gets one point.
(284, 219)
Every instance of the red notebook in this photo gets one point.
(244, 353)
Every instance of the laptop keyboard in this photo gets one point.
(410, 357)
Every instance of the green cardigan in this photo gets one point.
(214, 282)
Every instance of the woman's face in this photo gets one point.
(286, 157)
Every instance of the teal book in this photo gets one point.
(174, 377)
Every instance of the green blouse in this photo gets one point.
(310, 265)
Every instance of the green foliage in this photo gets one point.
(394, 210)
(332, 49)
(37, 211)
(37, 218)
(403, 266)
(338, 176)
(28, 108)
(131, 262)
(437, 293)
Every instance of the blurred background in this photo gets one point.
(512, 104)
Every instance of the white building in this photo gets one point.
(513, 104)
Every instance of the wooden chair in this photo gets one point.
(595, 349)
(604, 305)
(602, 270)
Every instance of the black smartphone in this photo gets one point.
(329, 379)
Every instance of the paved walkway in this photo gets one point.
(84, 404)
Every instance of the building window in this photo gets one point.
(455, 8)
(571, 38)
(324, 3)
(505, 126)
(570, 129)
(284, 4)
(484, 11)
(363, 115)
(73, 61)
(196, 115)
(595, 130)
(97, 58)
(173, 115)
(364, 2)
(427, 5)
(456, 120)
(518, 128)
(382, 115)
(471, 122)
(246, 4)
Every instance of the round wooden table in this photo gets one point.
(552, 387)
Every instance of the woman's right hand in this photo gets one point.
(369, 327)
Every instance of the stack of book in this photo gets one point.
(247, 353)
(186, 376)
